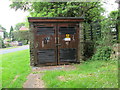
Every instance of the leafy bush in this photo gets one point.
(102, 53)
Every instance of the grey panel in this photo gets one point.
(67, 30)
(45, 31)
(46, 56)
(67, 55)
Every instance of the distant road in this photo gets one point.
(3, 51)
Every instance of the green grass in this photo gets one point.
(91, 74)
(0, 72)
(15, 68)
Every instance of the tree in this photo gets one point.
(113, 14)
(1, 43)
(90, 10)
(22, 36)
(20, 5)
(1, 27)
(113, 18)
(11, 30)
(19, 25)
(4, 31)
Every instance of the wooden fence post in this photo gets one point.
(81, 43)
(32, 53)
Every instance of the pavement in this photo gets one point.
(4, 51)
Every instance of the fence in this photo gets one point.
(94, 31)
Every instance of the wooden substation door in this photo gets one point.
(56, 43)
(67, 43)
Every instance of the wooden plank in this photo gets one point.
(57, 20)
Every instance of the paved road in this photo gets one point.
(14, 49)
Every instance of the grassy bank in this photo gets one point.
(15, 68)
(92, 74)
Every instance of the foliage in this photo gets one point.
(118, 24)
(90, 10)
(101, 33)
(119, 32)
(91, 74)
(1, 27)
(15, 68)
(108, 25)
(22, 35)
(11, 30)
(113, 16)
(103, 53)
(105, 43)
(20, 5)
(19, 25)
(1, 43)
(4, 31)
(5, 34)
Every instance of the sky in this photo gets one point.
(10, 17)
(110, 6)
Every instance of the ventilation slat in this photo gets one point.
(46, 56)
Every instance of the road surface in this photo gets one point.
(3, 51)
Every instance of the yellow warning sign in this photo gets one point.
(67, 36)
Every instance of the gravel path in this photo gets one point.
(4, 51)
(34, 80)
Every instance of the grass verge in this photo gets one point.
(91, 74)
(15, 68)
